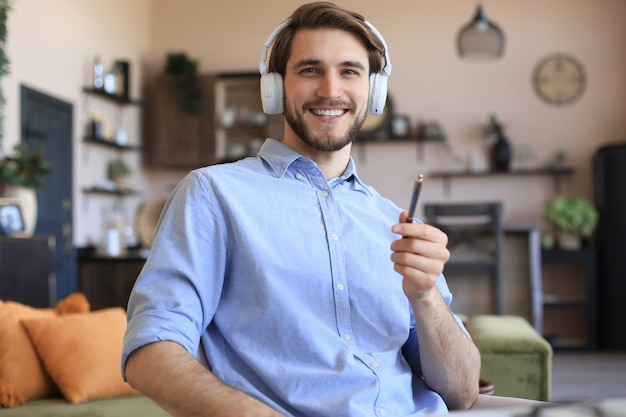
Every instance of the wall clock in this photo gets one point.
(559, 79)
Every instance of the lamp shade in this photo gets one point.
(481, 38)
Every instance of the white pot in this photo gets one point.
(28, 204)
(569, 240)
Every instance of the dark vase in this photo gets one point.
(501, 154)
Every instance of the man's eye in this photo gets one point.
(309, 71)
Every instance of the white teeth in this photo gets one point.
(328, 113)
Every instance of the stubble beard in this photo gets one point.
(326, 142)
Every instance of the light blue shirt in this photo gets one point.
(286, 280)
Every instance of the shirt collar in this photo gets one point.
(280, 157)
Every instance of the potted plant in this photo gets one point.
(25, 167)
(20, 174)
(501, 150)
(186, 81)
(118, 172)
(572, 218)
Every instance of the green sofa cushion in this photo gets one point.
(134, 406)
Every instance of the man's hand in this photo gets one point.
(419, 256)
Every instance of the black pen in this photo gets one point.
(417, 187)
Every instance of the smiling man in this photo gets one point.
(282, 284)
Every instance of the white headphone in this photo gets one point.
(272, 82)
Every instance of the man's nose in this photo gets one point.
(330, 86)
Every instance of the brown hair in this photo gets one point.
(325, 15)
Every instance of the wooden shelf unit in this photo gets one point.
(568, 302)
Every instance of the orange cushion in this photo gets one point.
(82, 353)
(22, 375)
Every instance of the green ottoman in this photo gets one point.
(515, 358)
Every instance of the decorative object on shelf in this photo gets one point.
(186, 81)
(20, 174)
(118, 172)
(480, 38)
(122, 78)
(430, 131)
(116, 81)
(11, 219)
(501, 149)
(559, 79)
(400, 126)
(477, 161)
(572, 219)
(98, 73)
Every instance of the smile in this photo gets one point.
(328, 113)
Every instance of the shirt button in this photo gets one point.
(298, 176)
(340, 287)
(324, 194)
(375, 365)
(334, 236)
(347, 336)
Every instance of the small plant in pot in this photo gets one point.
(118, 172)
(572, 218)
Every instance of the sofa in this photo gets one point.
(65, 361)
(133, 406)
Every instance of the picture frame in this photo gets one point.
(400, 127)
(11, 218)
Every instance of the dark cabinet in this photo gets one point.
(173, 137)
(27, 270)
(230, 125)
(107, 282)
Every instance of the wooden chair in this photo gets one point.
(475, 239)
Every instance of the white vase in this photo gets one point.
(28, 204)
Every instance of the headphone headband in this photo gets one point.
(268, 43)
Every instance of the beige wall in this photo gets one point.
(428, 81)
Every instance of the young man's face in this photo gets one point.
(326, 88)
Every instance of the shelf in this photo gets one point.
(556, 173)
(106, 191)
(563, 302)
(116, 99)
(569, 311)
(569, 256)
(566, 343)
(518, 172)
(109, 144)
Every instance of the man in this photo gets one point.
(308, 293)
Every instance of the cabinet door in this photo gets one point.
(27, 270)
(108, 282)
(175, 138)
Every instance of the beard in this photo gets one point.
(326, 142)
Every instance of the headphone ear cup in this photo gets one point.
(272, 93)
(378, 93)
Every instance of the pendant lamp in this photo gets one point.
(480, 38)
